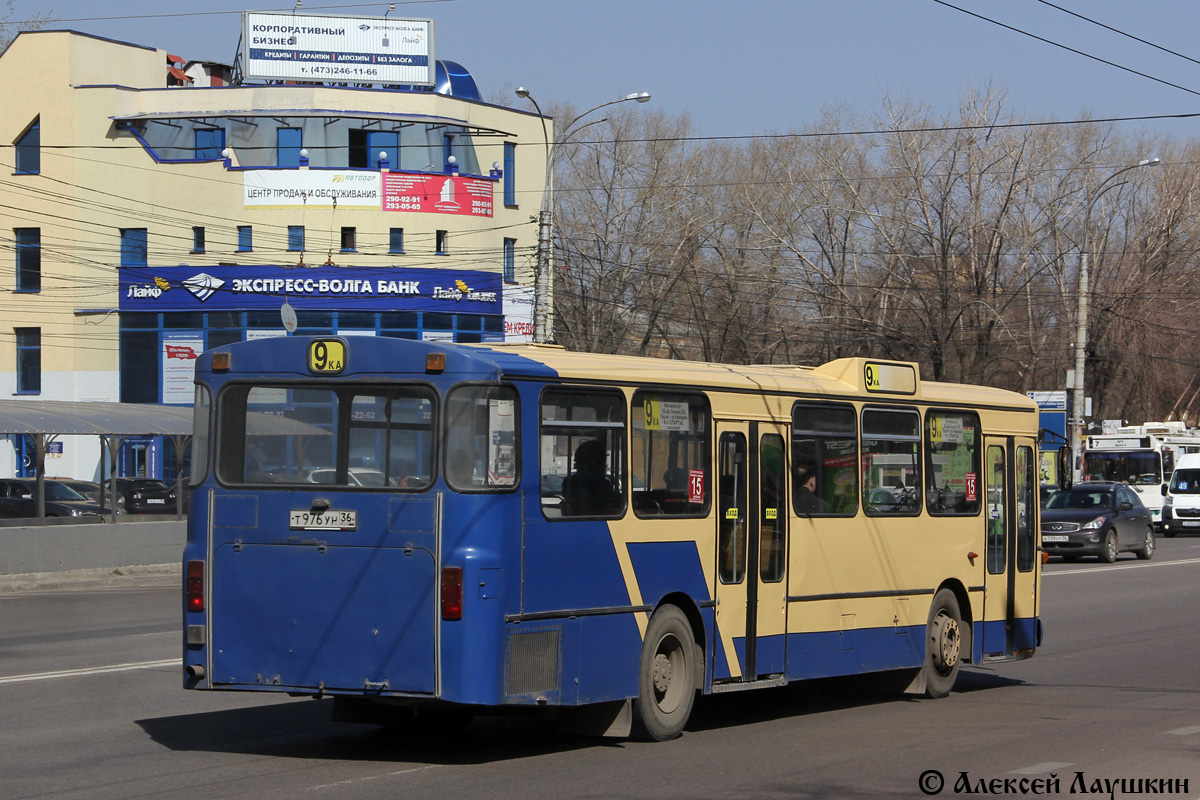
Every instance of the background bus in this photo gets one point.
(434, 530)
(1141, 456)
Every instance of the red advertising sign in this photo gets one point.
(437, 194)
(181, 351)
(695, 486)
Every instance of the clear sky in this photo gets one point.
(757, 66)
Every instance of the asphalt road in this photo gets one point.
(90, 689)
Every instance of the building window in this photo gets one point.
(441, 243)
(29, 360)
(245, 238)
(349, 239)
(396, 240)
(366, 147)
(197, 239)
(29, 259)
(288, 142)
(510, 260)
(209, 143)
(295, 237)
(29, 149)
(133, 247)
(510, 174)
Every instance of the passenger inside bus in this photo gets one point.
(807, 499)
(587, 491)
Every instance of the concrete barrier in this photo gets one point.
(91, 546)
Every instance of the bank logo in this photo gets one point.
(462, 291)
(144, 290)
(203, 286)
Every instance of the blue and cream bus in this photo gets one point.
(435, 530)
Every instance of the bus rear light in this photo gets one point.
(194, 586)
(452, 593)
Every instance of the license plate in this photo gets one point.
(1053, 539)
(323, 520)
(155, 502)
(1191, 523)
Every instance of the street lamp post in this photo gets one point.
(1082, 313)
(543, 323)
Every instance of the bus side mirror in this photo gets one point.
(1065, 473)
(1164, 490)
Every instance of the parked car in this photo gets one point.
(18, 498)
(88, 489)
(356, 476)
(145, 496)
(1097, 518)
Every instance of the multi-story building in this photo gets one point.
(148, 216)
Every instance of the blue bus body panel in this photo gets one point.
(342, 609)
(345, 618)
(665, 567)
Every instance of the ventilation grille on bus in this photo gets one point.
(533, 662)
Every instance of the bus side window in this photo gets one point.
(824, 459)
(481, 438)
(953, 447)
(891, 466)
(582, 451)
(670, 452)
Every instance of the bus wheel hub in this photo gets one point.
(662, 673)
(946, 642)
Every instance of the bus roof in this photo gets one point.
(846, 377)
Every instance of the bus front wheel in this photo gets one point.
(943, 641)
(666, 677)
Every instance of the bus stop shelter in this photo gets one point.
(45, 420)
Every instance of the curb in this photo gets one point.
(103, 577)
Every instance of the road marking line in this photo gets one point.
(72, 673)
(1185, 731)
(372, 777)
(1046, 766)
(1123, 566)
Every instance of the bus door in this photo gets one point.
(751, 589)
(1010, 579)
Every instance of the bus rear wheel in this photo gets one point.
(666, 677)
(943, 642)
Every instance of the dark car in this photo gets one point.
(145, 496)
(1097, 518)
(88, 489)
(18, 498)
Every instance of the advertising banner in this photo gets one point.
(437, 194)
(180, 351)
(307, 47)
(518, 314)
(309, 188)
(219, 288)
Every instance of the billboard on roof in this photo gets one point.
(303, 47)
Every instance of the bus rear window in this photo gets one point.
(356, 437)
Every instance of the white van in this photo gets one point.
(1181, 506)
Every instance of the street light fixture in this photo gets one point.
(543, 323)
(1082, 312)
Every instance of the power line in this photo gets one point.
(1065, 47)
(1122, 33)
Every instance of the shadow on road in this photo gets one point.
(303, 729)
